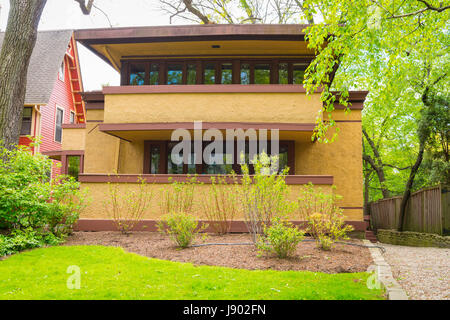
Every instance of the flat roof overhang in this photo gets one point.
(114, 44)
(163, 131)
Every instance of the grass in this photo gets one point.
(112, 273)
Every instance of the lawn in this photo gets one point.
(112, 273)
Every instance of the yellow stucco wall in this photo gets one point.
(101, 151)
(210, 107)
(341, 159)
(99, 195)
(73, 138)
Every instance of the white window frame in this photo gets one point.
(74, 115)
(62, 122)
(62, 74)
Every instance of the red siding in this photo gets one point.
(25, 141)
(61, 96)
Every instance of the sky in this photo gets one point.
(66, 14)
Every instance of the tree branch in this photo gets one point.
(190, 7)
(395, 167)
(86, 9)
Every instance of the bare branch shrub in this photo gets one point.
(178, 197)
(126, 208)
(220, 204)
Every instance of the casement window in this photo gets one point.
(158, 159)
(73, 166)
(137, 74)
(72, 117)
(27, 118)
(58, 123)
(222, 71)
(61, 72)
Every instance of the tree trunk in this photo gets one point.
(366, 193)
(376, 164)
(407, 193)
(18, 44)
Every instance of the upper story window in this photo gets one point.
(58, 124)
(137, 74)
(26, 121)
(181, 72)
(174, 73)
(61, 72)
(72, 117)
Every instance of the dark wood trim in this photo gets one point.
(151, 225)
(95, 99)
(340, 121)
(205, 88)
(93, 96)
(291, 155)
(194, 32)
(162, 63)
(162, 159)
(112, 127)
(351, 106)
(56, 153)
(206, 179)
(297, 57)
(96, 121)
(95, 105)
(74, 125)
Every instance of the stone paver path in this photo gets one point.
(424, 273)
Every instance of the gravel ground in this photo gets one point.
(343, 258)
(424, 273)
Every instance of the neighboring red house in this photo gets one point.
(53, 94)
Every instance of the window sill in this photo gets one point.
(207, 88)
(164, 178)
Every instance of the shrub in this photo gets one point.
(325, 219)
(28, 199)
(67, 203)
(263, 195)
(178, 196)
(220, 205)
(312, 199)
(328, 228)
(181, 228)
(20, 240)
(127, 208)
(281, 238)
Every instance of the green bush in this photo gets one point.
(28, 199)
(20, 240)
(281, 238)
(328, 228)
(182, 228)
(264, 195)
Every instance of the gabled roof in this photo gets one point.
(47, 56)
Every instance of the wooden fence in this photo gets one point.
(427, 211)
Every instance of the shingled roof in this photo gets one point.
(46, 59)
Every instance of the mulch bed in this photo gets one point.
(342, 258)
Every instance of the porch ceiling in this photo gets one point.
(163, 131)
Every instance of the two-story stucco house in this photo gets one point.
(228, 77)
